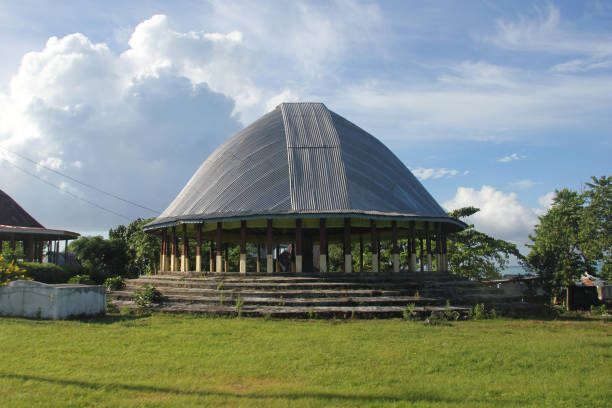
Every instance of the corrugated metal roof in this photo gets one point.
(302, 158)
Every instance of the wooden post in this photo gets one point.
(162, 253)
(219, 266)
(360, 253)
(298, 246)
(278, 258)
(444, 253)
(395, 248)
(412, 248)
(374, 246)
(243, 242)
(269, 260)
(428, 242)
(439, 248)
(57, 250)
(348, 259)
(184, 245)
(198, 266)
(422, 264)
(211, 262)
(226, 260)
(258, 257)
(322, 246)
(173, 251)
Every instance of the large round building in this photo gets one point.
(302, 177)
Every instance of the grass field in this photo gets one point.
(163, 360)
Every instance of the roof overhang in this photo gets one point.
(455, 225)
(43, 233)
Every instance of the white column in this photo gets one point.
(396, 263)
(323, 263)
(270, 263)
(298, 264)
(375, 262)
(243, 263)
(348, 263)
(429, 262)
(219, 265)
(198, 263)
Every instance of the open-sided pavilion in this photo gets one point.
(305, 176)
(17, 225)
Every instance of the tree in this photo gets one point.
(596, 226)
(142, 249)
(574, 235)
(101, 258)
(476, 255)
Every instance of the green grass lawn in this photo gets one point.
(163, 360)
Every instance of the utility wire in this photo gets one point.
(65, 191)
(82, 182)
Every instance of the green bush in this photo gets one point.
(147, 296)
(46, 272)
(115, 283)
(81, 280)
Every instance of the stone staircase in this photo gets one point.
(364, 295)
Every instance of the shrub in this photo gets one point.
(147, 296)
(116, 283)
(599, 310)
(46, 273)
(10, 271)
(81, 280)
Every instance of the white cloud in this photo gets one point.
(523, 184)
(545, 202)
(501, 215)
(423, 173)
(54, 163)
(512, 157)
(580, 65)
(447, 110)
(136, 119)
(480, 74)
(547, 32)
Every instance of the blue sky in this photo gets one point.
(493, 104)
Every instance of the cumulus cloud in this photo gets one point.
(545, 202)
(423, 173)
(512, 157)
(501, 215)
(142, 120)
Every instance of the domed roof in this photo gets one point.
(302, 159)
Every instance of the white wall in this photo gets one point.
(35, 299)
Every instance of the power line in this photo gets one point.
(65, 191)
(82, 182)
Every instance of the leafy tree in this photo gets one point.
(101, 258)
(476, 255)
(596, 226)
(142, 249)
(568, 241)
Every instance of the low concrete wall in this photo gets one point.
(35, 299)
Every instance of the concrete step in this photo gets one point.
(296, 312)
(279, 301)
(274, 293)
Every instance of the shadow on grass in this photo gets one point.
(110, 318)
(324, 396)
